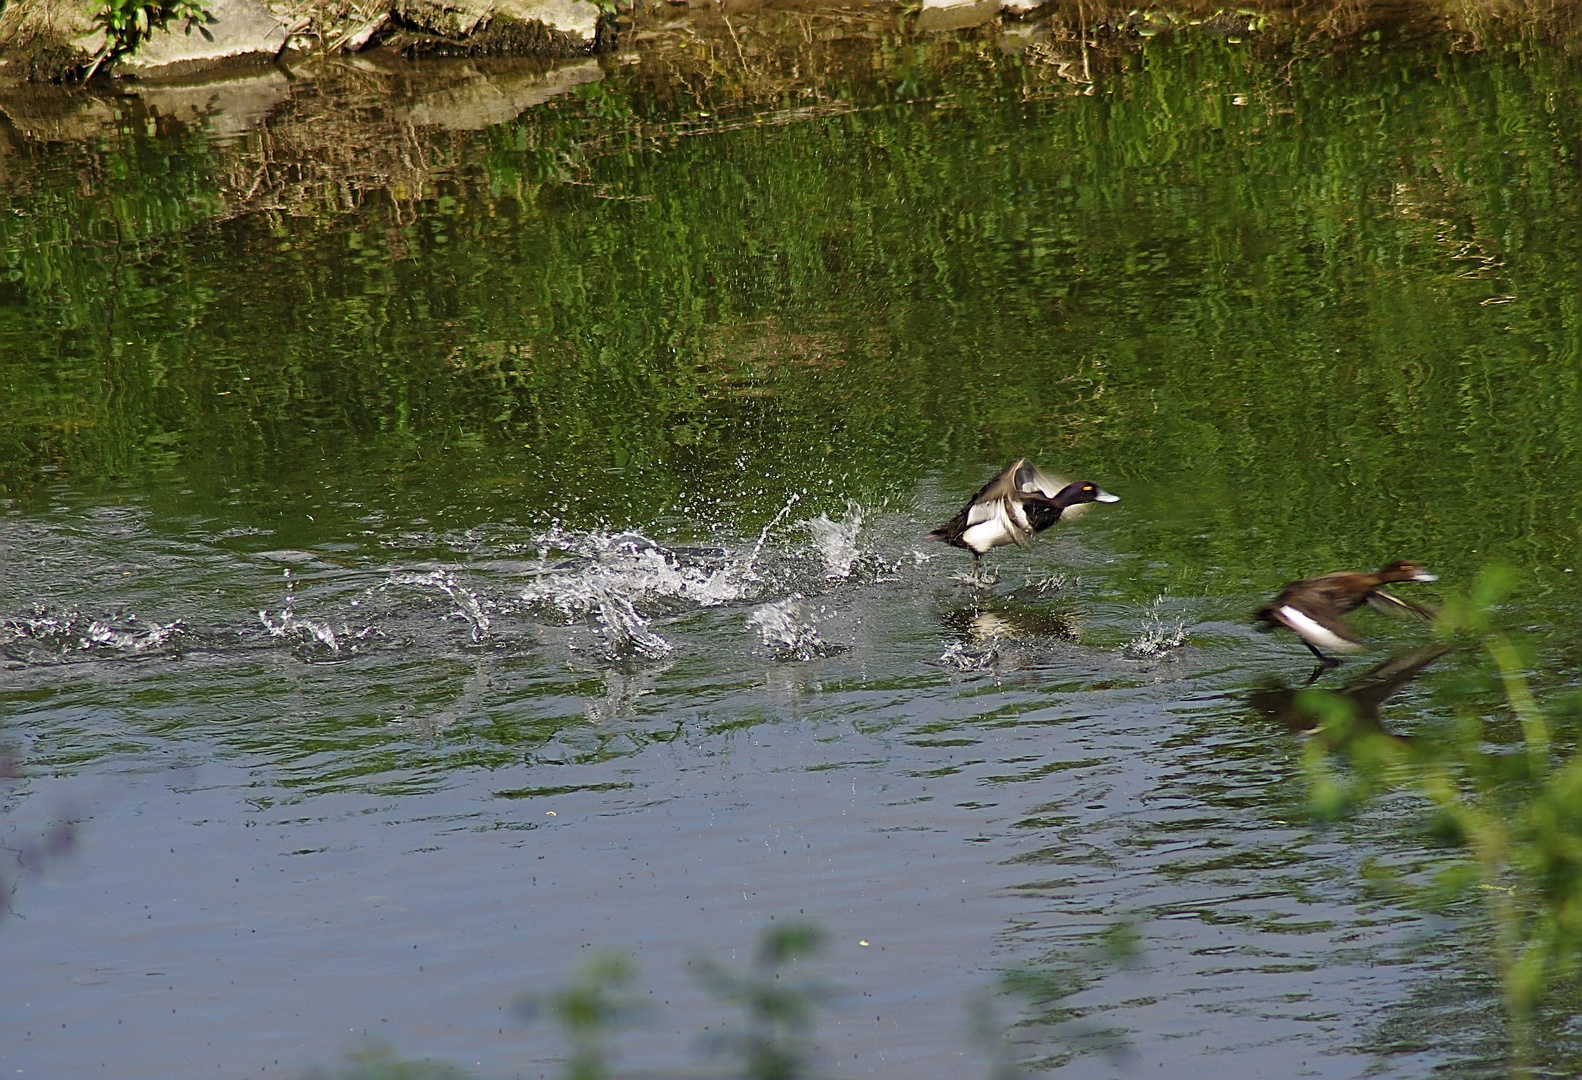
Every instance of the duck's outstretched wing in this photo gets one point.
(998, 502)
(1031, 480)
(1379, 600)
(993, 516)
(1003, 486)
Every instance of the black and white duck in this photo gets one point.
(1013, 508)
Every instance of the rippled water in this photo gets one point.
(330, 793)
(408, 600)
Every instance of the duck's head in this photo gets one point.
(1084, 491)
(1406, 570)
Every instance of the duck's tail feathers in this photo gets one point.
(1266, 621)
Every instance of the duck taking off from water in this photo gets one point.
(1015, 506)
(1315, 608)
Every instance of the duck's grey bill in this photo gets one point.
(1104, 496)
(1421, 576)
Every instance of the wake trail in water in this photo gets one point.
(620, 588)
(45, 636)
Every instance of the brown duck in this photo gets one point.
(1015, 506)
(1315, 608)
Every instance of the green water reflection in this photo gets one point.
(1329, 312)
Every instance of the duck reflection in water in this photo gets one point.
(1003, 637)
(1367, 694)
(982, 625)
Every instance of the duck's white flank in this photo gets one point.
(998, 521)
(1314, 631)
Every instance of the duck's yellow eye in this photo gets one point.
(1087, 487)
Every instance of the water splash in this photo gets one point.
(963, 656)
(610, 576)
(156, 636)
(763, 536)
(1158, 638)
(788, 627)
(465, 599)
(1051, 583)
(836, 541)
(293, 627)
(625, 630)
(296, 628)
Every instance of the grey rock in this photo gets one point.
(358, 39)
(237, 31)
(573, 23)
(452, 18)
(955, 14)
(575, 18)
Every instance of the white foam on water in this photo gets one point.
(1158, 637)
(964, 657)
(619, 583)
(155, 637)
(625, 630)
(611, 575)
(294, 627)
(631, 565)
(297, 628)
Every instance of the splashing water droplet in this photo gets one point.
(788, 628)
(836, 541)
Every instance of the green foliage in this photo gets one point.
(1041, 995)
(381, 1063)
(1182, 290)
(778, 1008)
(588, 1010)
(775, 1043)
(1510, 808)
(127, 23)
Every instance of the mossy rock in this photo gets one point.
(49, 39)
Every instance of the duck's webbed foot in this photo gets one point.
(979, 579)
(1323, 661)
